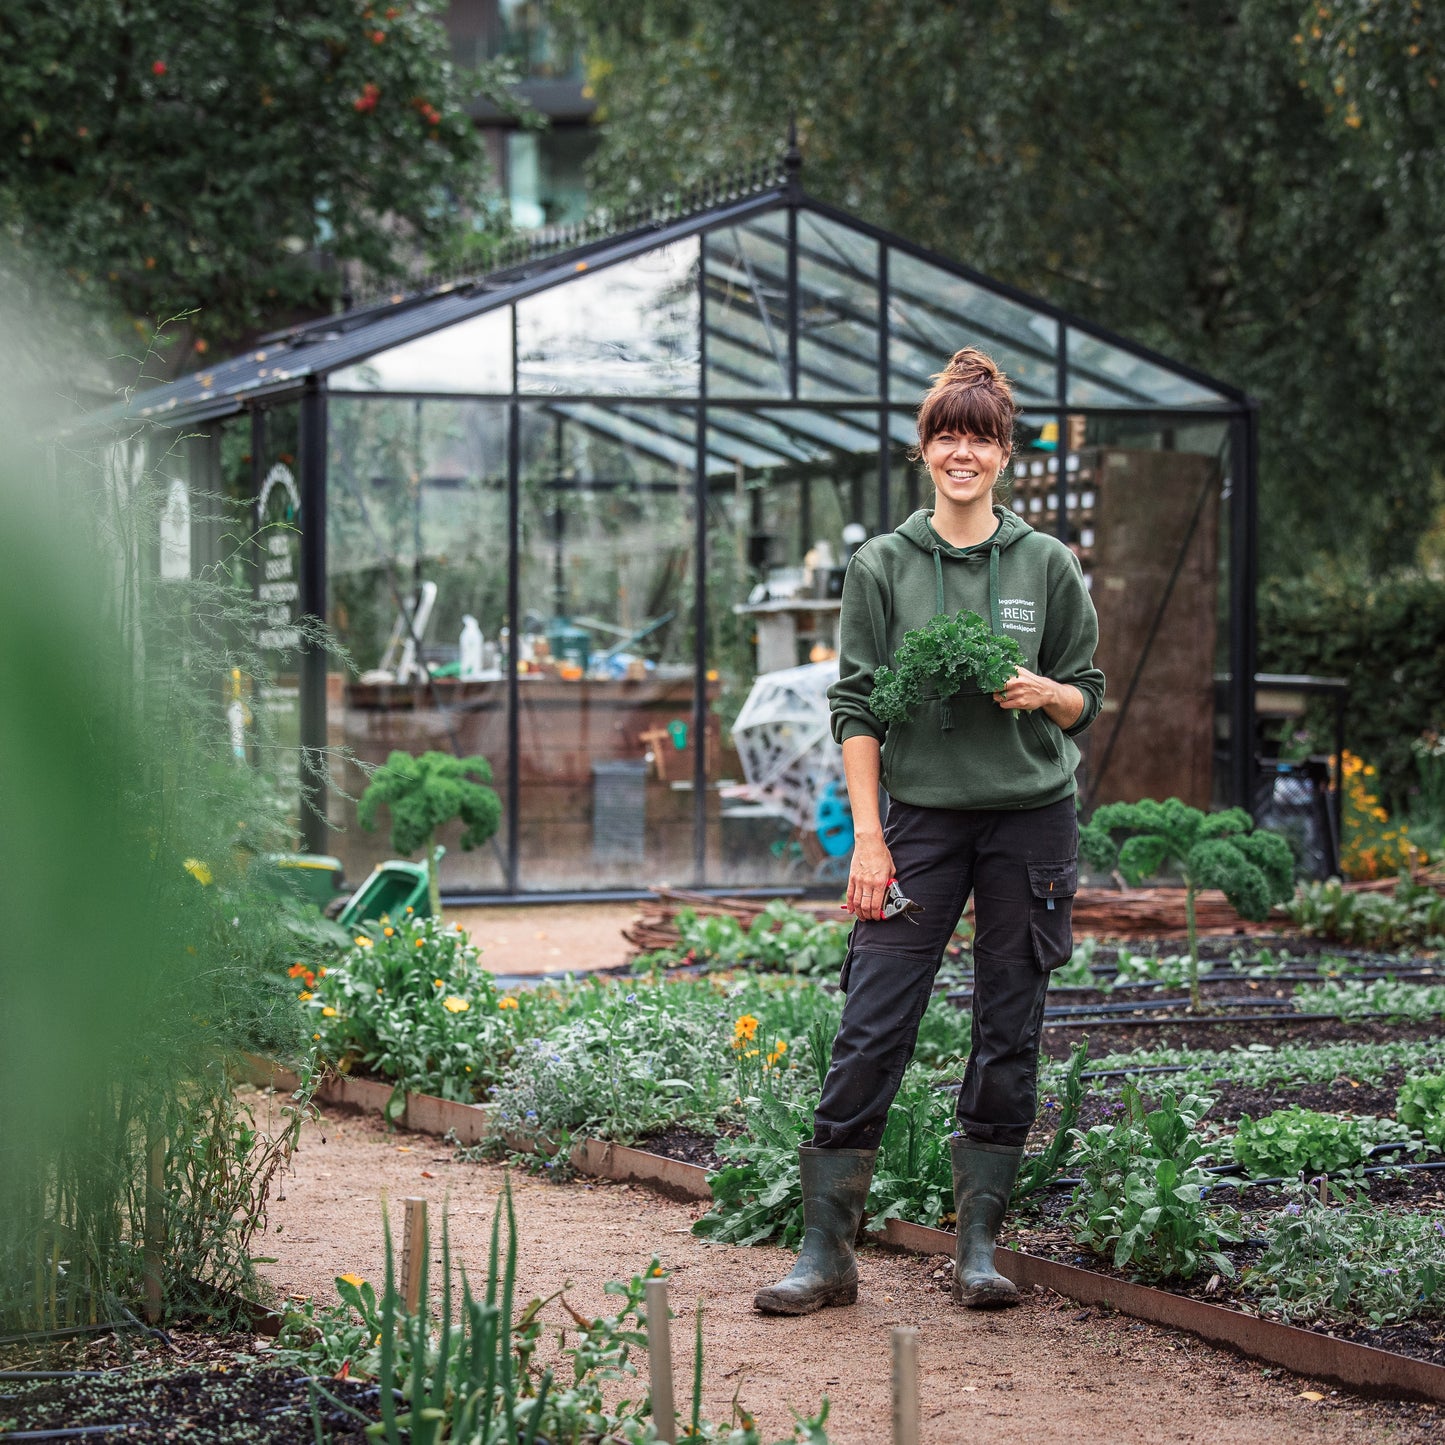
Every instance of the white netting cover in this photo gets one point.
(783, 739)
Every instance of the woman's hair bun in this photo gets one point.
(971, 365)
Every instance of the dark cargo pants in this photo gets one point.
(1022, 868)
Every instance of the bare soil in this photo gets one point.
(1046, 1371)
(531, 940)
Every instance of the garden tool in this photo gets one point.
(835, 1186)
(983, 1180)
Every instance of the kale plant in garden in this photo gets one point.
(937, 660)
(425, 793)
(1253, 867)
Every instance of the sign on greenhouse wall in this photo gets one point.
(278, 517)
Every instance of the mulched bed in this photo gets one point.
(215, 1388)
(1041, 1231)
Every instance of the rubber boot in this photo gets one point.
(983, 1180)
(835, 1188)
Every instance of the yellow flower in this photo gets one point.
(745, 1028)
(363, 941)
(354, 1280)
(320, 973)
(328, 1012)
(507, 1003)
(315, 1037)
(437, 983)
(388, 931)
(656, 1271)
(454, 1005)
(469, 1068)
(409, 908)
(421, 943)
(460, 929)
(303, 995)
(198, 871)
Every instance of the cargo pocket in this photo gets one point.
(847, 961)
(1051, 910)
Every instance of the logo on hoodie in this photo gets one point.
(1019, 614)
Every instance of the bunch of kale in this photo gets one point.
(937, 660)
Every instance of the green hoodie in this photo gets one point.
(966, 751)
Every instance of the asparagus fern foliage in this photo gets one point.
(1253, 867)
(936, 660)
(426, 792)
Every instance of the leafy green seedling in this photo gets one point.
(942, 656)
(425, 793)
(1421, 1105)
(1254, 868)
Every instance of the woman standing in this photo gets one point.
(981, 800)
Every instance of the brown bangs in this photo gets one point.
(967, 408)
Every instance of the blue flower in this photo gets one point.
(531, 1113)
(556, 1058)
(632, 998)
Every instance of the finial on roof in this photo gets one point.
(793, 157)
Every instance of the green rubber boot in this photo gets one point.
(835, 1188)
(983, 1180)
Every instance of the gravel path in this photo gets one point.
(1046, 1371)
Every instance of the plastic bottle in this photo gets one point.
(471, 648)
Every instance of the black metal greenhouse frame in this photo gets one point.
(337, 341)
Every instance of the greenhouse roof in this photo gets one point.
(800, 302)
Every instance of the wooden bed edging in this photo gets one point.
(1343, 1362)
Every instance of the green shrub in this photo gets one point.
(410, 1002)
(781, 939)
(1353, 998)
(1290, 1141)
(1421, 1105)
(1385, 636)
(1140, 1199)
(1349, 1258)
(1414, 917)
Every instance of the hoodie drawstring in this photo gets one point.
(995, 620)
(945, 713)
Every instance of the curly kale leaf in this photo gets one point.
(937, 660)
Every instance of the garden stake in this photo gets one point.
(155, 1229)
(413, 1254)
(659, 1361)
(905, 1385)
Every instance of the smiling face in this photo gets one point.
(964, 466)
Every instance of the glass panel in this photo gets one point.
(605, 648)
(416, 519)
(932, 313)
(630, 329)
(1104, 375)
(1145, 516)
(747, 308)
(473, 356)
(776, 550)
(837, 310)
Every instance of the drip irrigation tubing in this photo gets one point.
(49, 1375)
(71, 1432)
(1228, 1176)
(1171, 1020)
(70, 1331)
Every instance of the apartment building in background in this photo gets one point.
(541, 173)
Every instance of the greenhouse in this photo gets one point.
(566, 514)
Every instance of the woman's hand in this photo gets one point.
(869, 877)
(1026, 690)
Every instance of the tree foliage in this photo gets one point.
(1169, 170)
(219, 157)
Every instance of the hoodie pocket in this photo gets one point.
(1049, 736)
(1051, 910)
